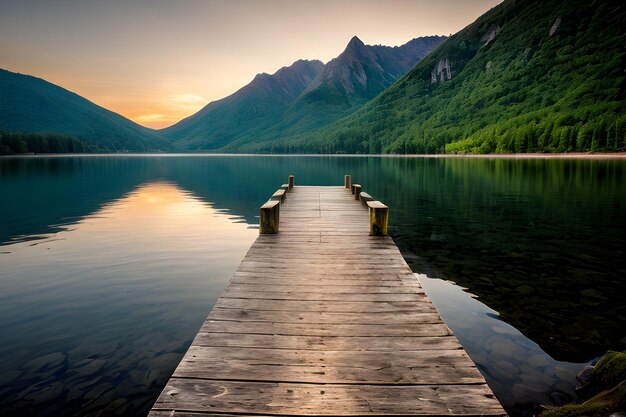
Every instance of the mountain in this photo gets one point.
(540, 76)
(255, 106)
(318, 94)
(361, 71)
(30, 104)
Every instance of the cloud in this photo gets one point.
(189, 101)
(151, 118)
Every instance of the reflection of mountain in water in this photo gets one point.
(60, 190)
(540, 241)
(45, 193)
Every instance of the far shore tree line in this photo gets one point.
(29, 143)
(526, 135)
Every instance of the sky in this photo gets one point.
(158, 61)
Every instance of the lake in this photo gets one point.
(109, 265)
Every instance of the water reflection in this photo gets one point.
(96, 316)
(541, 242)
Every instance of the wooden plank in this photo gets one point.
(426, 367)
(319, 296)
(323, 273)
(312, 329)
(231, 314)
(353, 343)
(294, 280)
(251, 286)
(326, 306)
(322, 319)
(198, 395)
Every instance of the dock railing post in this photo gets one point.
(365, 197)
(357, 191)
(291, 181)
(379, 218)
(268, 217)
(347, 181)
(279, 195)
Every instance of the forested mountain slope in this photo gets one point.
(254, 107)
(33, 105)
(299, 98)
(527, 76)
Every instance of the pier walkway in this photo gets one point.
(322, 319)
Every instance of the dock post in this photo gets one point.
(347, 181)
(379, 218)
(291, 180)
(365, 198)
(357, 191)
(268, 217)
(279, 195)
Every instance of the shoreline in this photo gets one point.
(572, 155)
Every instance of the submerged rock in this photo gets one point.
(44, 362)
(560, 398)
(525, 290)
(584, 375)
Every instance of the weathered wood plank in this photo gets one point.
(376, 281)
(319, 296)
(326, 306)
(251, 286)
(313, 329)
(241, 314)
(424, 367)
(353, 343)
(197, 395)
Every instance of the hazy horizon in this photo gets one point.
(159, 62)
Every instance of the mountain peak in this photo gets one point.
(355, 50)
(355, 42)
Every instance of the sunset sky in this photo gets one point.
(158, 61)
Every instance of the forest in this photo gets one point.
(20, 143)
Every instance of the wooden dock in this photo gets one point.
(322, 319)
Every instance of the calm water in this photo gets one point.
(109, 265)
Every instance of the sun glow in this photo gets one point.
(170, 110)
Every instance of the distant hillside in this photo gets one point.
(33, 105)
(527, 76)
(254, 107)
(299, 98)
